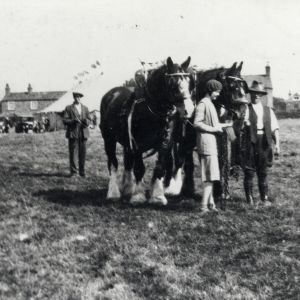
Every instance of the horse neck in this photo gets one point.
(156, 93)
(203, 77)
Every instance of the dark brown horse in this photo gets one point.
(232, 101)
(143, 124)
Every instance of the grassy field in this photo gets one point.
(59, 239)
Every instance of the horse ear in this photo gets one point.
(170, 63)
(233, 67)
(185, 64)
(239, 68)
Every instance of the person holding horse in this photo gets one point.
(261, 128)
(77, 120)
(207, 125)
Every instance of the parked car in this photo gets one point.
(24, 124)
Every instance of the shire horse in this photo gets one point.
(143, 124)
(230, 106)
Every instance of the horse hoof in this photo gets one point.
(158, 200)
(138, 199)
(113, 194)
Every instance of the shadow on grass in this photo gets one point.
(75, 198)
(96, 197)
(57, 174)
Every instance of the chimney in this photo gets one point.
(29, 89)
(7, 90)
(268, 69)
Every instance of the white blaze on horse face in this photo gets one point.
(242, 92)
(189, 107)
(186, 108)
(113, 192)
(184, 87)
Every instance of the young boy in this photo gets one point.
(207, 126)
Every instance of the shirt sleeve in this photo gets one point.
(274, 121)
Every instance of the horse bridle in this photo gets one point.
(225, 87)
(173, 110)
(178, 74)
(236, 79)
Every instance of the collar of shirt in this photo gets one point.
(259, 111)
(78, 107)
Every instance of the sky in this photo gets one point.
(47, 42)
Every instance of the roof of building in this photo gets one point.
(33, 96)
(264, 79)
(291, 101)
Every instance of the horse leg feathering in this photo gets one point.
(113, 187)
(175, 185)
(138, 196)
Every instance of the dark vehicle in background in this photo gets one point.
(24, 124)
(4, 124)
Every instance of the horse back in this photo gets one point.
(113, 104)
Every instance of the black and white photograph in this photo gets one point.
(149, 149)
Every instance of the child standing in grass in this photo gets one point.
(207, 126)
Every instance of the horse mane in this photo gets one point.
(155, 84)
(203, 76)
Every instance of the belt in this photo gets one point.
(260, 131)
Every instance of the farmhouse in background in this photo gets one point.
(27, 103)
(265, 79)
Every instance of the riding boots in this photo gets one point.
(263, 191)
(248, 187)
(249, 195)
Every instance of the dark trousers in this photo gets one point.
(77, 146)
(258, 162)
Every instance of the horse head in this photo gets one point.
(169, 88)
(233, 95)
(180, 84)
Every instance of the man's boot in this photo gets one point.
(248, 186)
(263, 191)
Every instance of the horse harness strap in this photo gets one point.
(132, 141)
(235, 78)
(177, 74)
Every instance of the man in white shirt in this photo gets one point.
(257, 155)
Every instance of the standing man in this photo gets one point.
(261, 127)
(77, 119)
